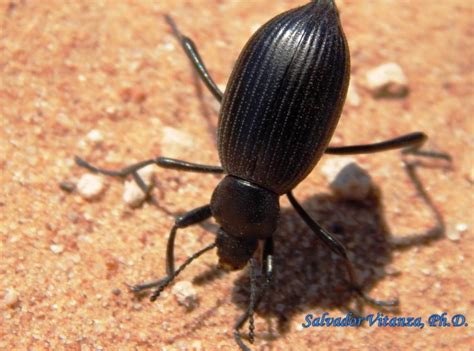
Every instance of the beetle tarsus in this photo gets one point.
(170, 278)
(375, 302)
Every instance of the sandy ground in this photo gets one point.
(71, 67)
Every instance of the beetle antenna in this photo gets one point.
(170, 278)
(253, 293)
(173, 26)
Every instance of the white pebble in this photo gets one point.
(350, 182)
(353, 97)
(95, 136)
(90, 186)
(168, 46)
(11, 298)
(332, 166)
(454, 235)
(110, 110)
(133, 194)
(462, 227)
(175, 142)
(56, 248)
(185, 294)
(387, 80)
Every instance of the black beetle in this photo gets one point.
(279, 111)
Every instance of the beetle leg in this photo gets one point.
(250, 311)
(336, 246)
(191, 51)
(189, 218)
(163, 162)
(166, 281)
(410, 143)
(268, 271)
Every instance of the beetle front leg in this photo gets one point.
(191, 51)
(189, 218)
(410, 143)
(267, 269)
(336, 246)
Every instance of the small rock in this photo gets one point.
(67, 186)
(95, 136)
(56, 248)
(351, 182)
(175, 142)
(426, 271)
(332, 166)
(454, 235)
(133, 195)
(111, 110)
(90, 186)
(462, 227)
(168, 46)
(185, 294)
(347, 180)
(116, 291)
(11, 298)
(353, 97)
(299, 327)
(387, 80)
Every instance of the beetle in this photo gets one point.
(278, 113)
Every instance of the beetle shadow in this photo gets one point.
(309, 278)
(307, 275)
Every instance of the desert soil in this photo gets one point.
(68, 68)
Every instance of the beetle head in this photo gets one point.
(246, 213)
(234, 252)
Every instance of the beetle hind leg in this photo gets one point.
(409, 143)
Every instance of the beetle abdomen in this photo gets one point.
(284, 97)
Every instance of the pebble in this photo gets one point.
(387, 80)
(332, 166)
(426, 271)
(133, 194)
(347, 179)
(55, 248)
(67, 186)
(353, 97)
(95, 136)
(454, 235)
(185, 294)
(352, 182)
(175, 142)
(11, 298)
(90, 186)
(116, 292)
(462, 227)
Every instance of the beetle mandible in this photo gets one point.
(278, 113)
